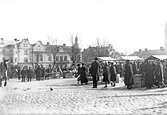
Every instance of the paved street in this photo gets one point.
(68, 98)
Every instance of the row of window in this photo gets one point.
(56, 58)
(40, 58)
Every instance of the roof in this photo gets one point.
(149, 52)
(157, 57)
(66, 49)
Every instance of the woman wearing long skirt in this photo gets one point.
(83, 76)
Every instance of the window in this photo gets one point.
(57, 58)
(41, 58)
(65, 58)
(25, 52)
(25, 45)
(25, 60)
(61, 58)
(49, 58)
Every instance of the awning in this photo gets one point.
(132, 58)
(106, 58)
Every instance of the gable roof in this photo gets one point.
(148, 53)
(157, 57)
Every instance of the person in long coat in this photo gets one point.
(128, 77)
(113, 74)
(24, 73)
(105, 74)
(30, 74)
(94, 71)
(159, 76)
(38, 72)
(83, 76)
(78, 73)
(42, 72)
(148, 69)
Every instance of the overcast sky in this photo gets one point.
(127, 24)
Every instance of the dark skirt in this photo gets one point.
(105, 77)
(83, 78)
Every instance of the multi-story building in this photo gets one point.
(60, 55)
(28, 54)
(99, 51)
(22, 53)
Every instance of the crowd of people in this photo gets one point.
(39, 72)
(153, 72)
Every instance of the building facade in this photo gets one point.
(26, 54)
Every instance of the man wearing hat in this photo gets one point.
(94, 71)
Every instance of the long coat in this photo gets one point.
(83, 76)
(113, 73)
(149, 74)
(128, 77)
(105, 73)
(38, 73)
(94, 70)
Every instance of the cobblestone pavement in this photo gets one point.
(68, 98)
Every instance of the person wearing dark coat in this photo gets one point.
(105, 74)
(159, 74)
(134, 65)
(29, 74)
(128, 77)
(113, 74)
(24, 73)
(78, 73)
(38, 72)
(94, 71)
(148, 69)
(83, 76)
(42, 72)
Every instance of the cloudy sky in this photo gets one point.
(127, 24)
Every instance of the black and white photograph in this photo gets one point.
(78, 57)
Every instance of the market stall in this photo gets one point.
(107, 59)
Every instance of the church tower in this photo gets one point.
(76, 42)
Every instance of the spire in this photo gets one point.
(76, 41)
